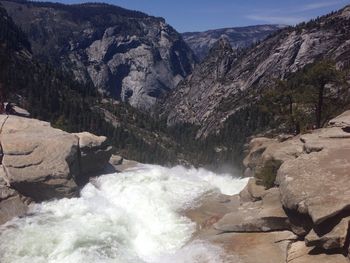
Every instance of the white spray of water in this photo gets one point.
(130, 217)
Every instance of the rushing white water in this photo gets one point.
(130, 217)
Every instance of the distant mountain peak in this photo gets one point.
(346, 12)
(223, 44)
(223, 88)
(238, 37)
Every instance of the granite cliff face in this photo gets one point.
(208, 99)
(125, 54)
(239, 37)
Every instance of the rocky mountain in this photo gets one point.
(126, 54)
(239, 37)
(227, 82)
(52, 95)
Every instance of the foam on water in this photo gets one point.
(120, 218)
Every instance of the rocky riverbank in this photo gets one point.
(296, 206)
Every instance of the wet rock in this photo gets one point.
(261, 216)
(95, 153)
(11, 204)
(12, 207)
(125, 165)
(116, 160)
(209, 209)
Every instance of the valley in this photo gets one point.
(123, 140)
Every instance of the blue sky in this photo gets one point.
(199, 15)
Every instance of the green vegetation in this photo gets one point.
(308, 98)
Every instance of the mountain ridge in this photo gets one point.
(205, 100)
(125, 54)
(239, 37)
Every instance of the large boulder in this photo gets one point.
(119, 164)
(252, 192)
(266, 155)
(40, 162)
(43, 163)
(255, 149)
(95, 153)
(260, 216)
(210, 209)
(317, 183)
(19, 111)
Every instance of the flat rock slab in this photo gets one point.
(260, 216)
(209, 209)
(342, 120)
(256, 247)
(299, 253)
